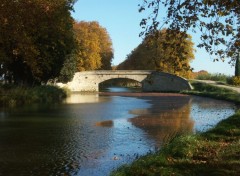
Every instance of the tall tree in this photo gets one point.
(166, 50)
(237, 66)
(94, 46)
(218, 21)
(36, 36)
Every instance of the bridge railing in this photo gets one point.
(119, 72)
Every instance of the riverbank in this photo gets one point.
(19, 95)
(215, 152)
(215, 91)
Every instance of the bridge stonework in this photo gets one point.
(152, 81)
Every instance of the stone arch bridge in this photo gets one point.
(152, 81)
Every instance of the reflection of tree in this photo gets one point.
(166, 117)
(107, 123)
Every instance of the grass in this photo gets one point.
(220, 78)
(14, 95)
(215, 152)
(214, 77)
(208, 90)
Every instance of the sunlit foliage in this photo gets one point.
(166, 50)
(94, 46)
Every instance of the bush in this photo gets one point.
(235, 80)
(213, 77)
(11, 95)
(47, 94)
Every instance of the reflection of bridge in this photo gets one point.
(152, 81)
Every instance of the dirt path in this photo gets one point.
(215, 83)
(145, 94)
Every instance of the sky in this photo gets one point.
(121, 19)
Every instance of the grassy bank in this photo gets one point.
(208, 90)
(214, 77)
(14, 95)
(215, 152)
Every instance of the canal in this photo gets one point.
(92, 134)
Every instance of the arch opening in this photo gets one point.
(120, 85)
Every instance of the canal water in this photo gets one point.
(93, 134)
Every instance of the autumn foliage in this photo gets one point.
(35, 38)
(167, 50)
(94, 46)
(39, 41)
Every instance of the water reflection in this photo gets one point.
(82, 98)
(92, 135)
(166, 117)
(107, 123)
(206, 112)
(121, 89)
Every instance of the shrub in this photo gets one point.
(213, 77)
(47, 94)
(235, 80)
(11, 95)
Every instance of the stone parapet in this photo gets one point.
(152, 81)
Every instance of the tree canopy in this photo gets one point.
(94, 49)
(218, 21)
(166, 50)
(36, 36)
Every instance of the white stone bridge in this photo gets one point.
(152, 81)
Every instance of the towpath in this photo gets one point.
(215, 83)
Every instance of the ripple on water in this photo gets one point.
(95, 137)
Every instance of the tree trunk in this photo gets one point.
(237, 66)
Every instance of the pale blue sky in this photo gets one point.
(121, 19)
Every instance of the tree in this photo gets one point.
(166, 50)
(106, 51)
(94, 46)
(237, 66)
(36, 37)
(69, 68)
(218, 21)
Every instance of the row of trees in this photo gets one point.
(39, 40)
(165, 50)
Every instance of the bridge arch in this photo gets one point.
(119, 82)
(152, 81)
(129, 77)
